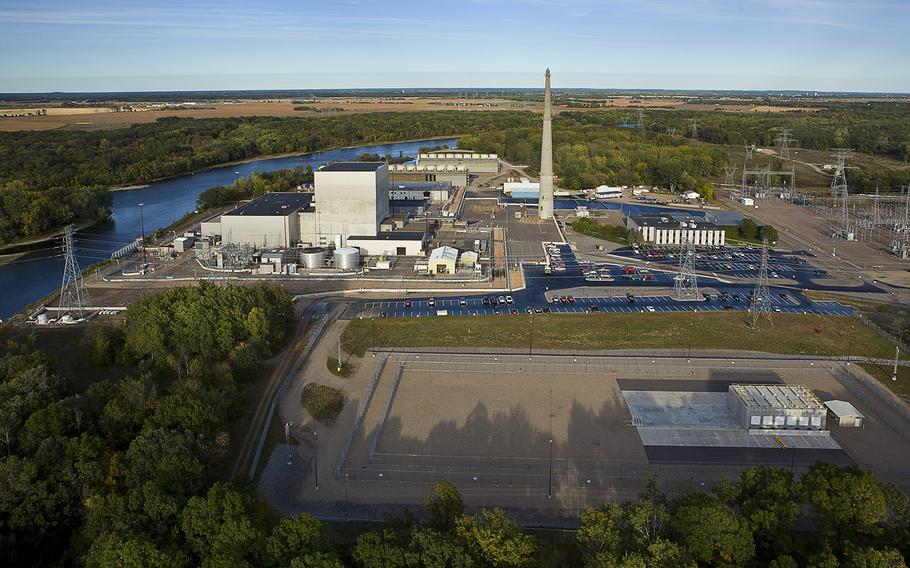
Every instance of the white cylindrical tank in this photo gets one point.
(347, 258)
(313, 257)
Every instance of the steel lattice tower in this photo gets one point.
(74, 298)
(730, 171)
(760, 306)
(749, 149)
(671, 131)
(839, 182)
(784, 139)
(685, 285)
(693, 122)
(640, 124)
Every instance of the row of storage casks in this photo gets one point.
(346, 258)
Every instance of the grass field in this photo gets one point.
(791, 334)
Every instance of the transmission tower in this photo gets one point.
(640, 124)
(730, 171)
(671, 131)
(839, 182)
(784, 139)
(760, 306)
(693, 122)
(685, 285)
(749, 149)
(74, 297)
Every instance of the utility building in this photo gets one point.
(845, 414)
(352, 198)
(664, 230)
(442, 260)
(270, 221)
(776, 407)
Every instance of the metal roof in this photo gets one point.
(352, 167)
(776, 396)
(842, 408)
(391, 236)
(670, 222)
(444, 253)
(279, 203)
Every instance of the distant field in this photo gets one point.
(89, 119)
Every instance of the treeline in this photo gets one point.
(121, 474)
(254, 186)
(49, 179)
(588, 150)
(613, 233)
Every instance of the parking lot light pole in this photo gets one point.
(316, 460)
(347, 502)
(550, 476)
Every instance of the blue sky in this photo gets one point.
(111, 45)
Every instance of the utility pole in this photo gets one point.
(142, 228)
(316, 460)
(339, 354)
(897, 356)
(550, 475)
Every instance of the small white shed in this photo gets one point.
(845, 414)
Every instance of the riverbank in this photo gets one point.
(19, 248)
(34, 242)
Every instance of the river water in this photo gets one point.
(31, 276)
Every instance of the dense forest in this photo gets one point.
(254, 186)
(592, 148)
(124, 472)
(589, 150)
(49, 179)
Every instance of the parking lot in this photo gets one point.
(606, 290)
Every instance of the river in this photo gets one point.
(33, 275)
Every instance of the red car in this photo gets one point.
(563, 300)
(407, 304)
(629, 269)
(571, 300)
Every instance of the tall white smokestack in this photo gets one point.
(545, 207)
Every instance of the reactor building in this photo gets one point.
(350, 200)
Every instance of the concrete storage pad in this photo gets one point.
(703, 419)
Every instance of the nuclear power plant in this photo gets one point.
(545, 207)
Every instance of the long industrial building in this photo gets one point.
(665, 230)
(456, 175)
(776, 407)
(473, 162)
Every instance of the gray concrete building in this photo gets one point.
(456, 175)
(776, 407)
(269, 221)
(473, 162)
(433, 191)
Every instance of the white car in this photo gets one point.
(508, 299)
(650, 309)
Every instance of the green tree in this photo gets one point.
(599, 537)
(846, 500)
(768, 232)
(868, 557)
(380, 549)
(431, 548)
(444, 506)
(769, 500)
(712, 533)
(131, 552)
(495, 539)
(747, 229)
(297, 537)
(221, 525)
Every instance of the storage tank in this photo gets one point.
(347, 258)
(313, 257)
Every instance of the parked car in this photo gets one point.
(508, 299)
(431, 302)
(407, 303)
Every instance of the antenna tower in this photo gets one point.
(784, 139)
(685, 285)
(730, 170)
(760, 306)
(74, 297)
